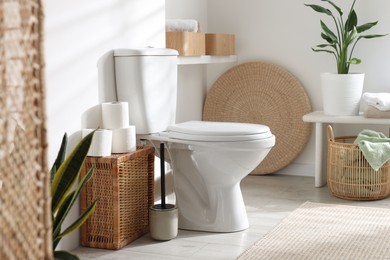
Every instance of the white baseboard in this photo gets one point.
(298, 169)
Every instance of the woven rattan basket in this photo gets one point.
(123, 184)
(349, 174)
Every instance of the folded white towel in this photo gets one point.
(380, 101)
(181, 25)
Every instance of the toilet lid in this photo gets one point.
(218, 131)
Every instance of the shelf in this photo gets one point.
(205, 59)
(320, 117)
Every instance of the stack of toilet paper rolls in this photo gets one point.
(117, 136)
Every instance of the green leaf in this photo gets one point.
(322, 50)
(75, 225)
(64, 255)
(351, 37)
(371, 36)
(325, 45)
(327, 38)
(68, 202)
(320, 9)
(60, 157)
(69, 170)
(366, 27)
(56, 241)
(62, 213)
(335, 7)
(351, 21)
(328, 32)
(355, 61)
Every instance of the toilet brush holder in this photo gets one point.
(163, 218)
(163, 222)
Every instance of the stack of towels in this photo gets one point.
(181, 25)
(377, 105)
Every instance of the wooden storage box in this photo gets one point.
(123, 185)
(349, 174)
(186, 43)
(220, 44)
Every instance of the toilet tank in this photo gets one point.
(147, 80)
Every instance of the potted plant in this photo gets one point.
(341, 92)
(64, 175)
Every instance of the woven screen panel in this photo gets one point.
(25, 219)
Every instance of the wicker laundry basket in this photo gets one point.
(123, 185)
(349, 174)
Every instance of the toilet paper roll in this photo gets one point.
(123, 140)
(101, 142)
(115, 115)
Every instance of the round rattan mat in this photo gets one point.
(267, 94)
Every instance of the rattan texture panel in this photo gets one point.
(25, 220)
(263, 93)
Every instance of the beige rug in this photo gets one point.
(324, 231)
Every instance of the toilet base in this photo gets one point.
(216, 215)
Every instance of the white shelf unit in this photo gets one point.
(205, 59)
(319, 118)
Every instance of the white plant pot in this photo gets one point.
(341, 93)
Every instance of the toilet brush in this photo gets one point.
(162, 177)
(163, 218)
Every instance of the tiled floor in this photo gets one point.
(268, 200)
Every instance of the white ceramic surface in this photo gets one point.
(341, 93)
(207, 172)
(207, 178)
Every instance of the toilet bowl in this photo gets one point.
(209, 159)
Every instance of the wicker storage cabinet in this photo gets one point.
(123, 183)
(349, 174)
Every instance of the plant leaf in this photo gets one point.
(68, 172)
(335, 7)
(355, 61)
(60, 157)
(68, 202)
(56, 241)
(351, 21)
(327, 38)
(371, 36)
(366, 27)
(61, 214)
(320, 9)
(328, 32)
(351, 37)
(75, 225)
(322, 50)
(64, 255)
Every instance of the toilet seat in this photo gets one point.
(218, 131)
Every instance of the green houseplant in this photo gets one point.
(341, 42)
(64, 175)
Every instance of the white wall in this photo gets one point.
(76, 34)
(278, 31)
(283, 32)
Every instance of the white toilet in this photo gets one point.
(209, 159)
